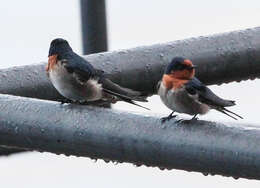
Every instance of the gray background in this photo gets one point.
(28, 26)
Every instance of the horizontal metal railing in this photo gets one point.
(207, 147)
(221, 58)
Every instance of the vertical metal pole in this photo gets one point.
(94, 31)
(94, 27)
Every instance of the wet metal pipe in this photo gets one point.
(94, 26)
(94, 37)
(5, 151)
(227, 57)
(221, 58)
(225, 149)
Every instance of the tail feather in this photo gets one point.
(230, 103)
(116, 89)
(233, 113)
(124, 98)
(226, 111)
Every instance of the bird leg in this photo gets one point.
(194, 118)
(168, 117)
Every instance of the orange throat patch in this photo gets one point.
(52, 61)
(173, 83)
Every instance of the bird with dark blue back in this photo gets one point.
(77, 80)
(182, 92)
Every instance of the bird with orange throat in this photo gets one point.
(77, 80)
(182, 92)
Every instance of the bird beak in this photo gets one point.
(192, 67)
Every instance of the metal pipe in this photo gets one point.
(5, 151)
(227, 57)
(216, 148)
(93, 24)
(94, 37)
(94, 28)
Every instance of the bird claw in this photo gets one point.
(194, 119)
(185, 121)
(65, 101)
(164, 119)
(180, 120)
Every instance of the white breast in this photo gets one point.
(180, 101)
(69, 87)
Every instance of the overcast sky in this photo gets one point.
(28, 26)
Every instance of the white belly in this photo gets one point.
(180, 101)
(69, 87)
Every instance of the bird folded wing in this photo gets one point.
(194, 86)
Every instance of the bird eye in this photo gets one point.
(64, 61)
(181, 66)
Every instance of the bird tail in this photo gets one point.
(228, 112)
(122, 93)
(229, 103)
(124, 98)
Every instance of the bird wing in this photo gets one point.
(82, 70)
(204, 95)
(115, 89)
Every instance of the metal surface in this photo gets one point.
(5, 151)
(94, 37)
(225, 149)
(233, 56)
(93, 24)
(27, 81)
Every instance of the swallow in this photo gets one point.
(182, 92)
(77, 80)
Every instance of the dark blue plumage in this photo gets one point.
(184, 93)
(76, 79)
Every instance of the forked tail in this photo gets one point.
(228, 112)
(124, 98)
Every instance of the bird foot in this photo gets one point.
(180, 120)
(164, 119)
(194, 119)
(185, 121)
(65, 101)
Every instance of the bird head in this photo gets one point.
(180, 68)
(59, 46)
